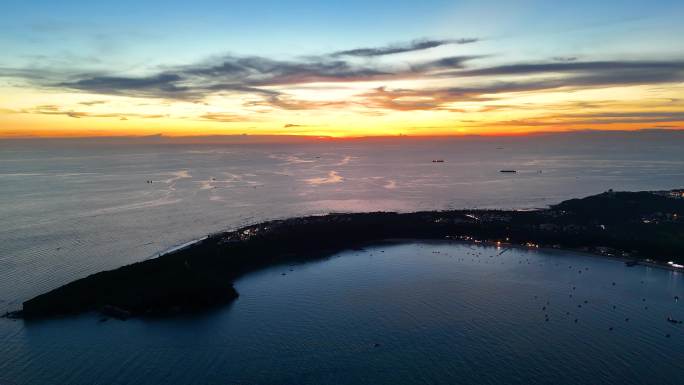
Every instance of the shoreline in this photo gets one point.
(593, 254)
(641, 227)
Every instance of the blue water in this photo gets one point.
(440, 313)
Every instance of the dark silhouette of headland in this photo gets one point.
(643, 227)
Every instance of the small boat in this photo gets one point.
(438, 161)
(509, 171)
(673, 321)
(631, 263)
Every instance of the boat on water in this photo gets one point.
(508, 171)
(631, 263)
(438, 161)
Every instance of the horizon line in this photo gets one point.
(338, 138)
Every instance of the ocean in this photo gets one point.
(69, 208)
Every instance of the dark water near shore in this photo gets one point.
(433, 313)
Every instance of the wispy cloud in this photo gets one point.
(93, 102)
(248, 74)
(259, 76)
(622, 74)
(225, 117)
(52, 109)
(675, 117)
(286, 102)
(416, 45)
(239, 75)
(165, 84)
(644, 68)
(270, 83)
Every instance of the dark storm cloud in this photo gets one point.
(416, 45)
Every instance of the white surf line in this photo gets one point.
(185, 245)
(177, 248)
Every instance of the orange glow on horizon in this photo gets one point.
(38, 113)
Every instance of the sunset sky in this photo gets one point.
(345, 68)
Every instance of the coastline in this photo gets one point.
(593, 254)
(198, 274)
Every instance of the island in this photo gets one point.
(642, 227)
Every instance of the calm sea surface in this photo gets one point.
(438, 313)
(432, 313)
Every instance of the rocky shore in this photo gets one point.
(635, 225)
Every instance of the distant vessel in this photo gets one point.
(509, 171)
(438, 161)
(631, 263)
